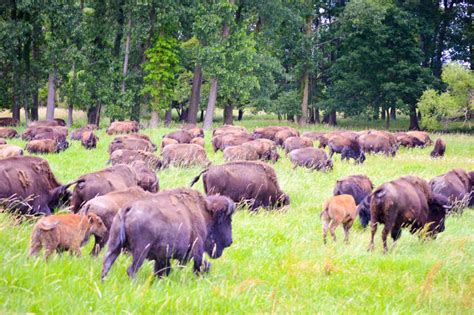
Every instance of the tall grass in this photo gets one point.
(277, 263)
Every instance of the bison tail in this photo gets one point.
(116, 241)
(196, 179)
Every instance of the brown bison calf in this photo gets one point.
(8, 133)
(65, 232)
(439, 148)
(240, 152)
(89, 140)
(339, 209)
(8, 150)
(118, 127)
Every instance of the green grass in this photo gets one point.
(277, 263)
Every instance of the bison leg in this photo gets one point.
(373, 230)
(332, 228)
(99, 243)
(396, 233)
(385, 232)
(48, 251)
(139, 255)
(200, 264)
(347, 227)
(325, 231)
(162, 268)
(35, 247)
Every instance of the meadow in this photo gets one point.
(277, 262)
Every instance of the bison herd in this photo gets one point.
(123, 207)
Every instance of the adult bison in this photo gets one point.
(424, 137)
(224, 141)
(284, 134)
(312, 158)
(195, 131)
(46, 123)
(406, 202)
(77, 134)
(129, 156)
(359, 187)
(131, 144)
(107, 206)
(118, 127)
(240, 152)
(181, 136)
(176, 224)
(293, 143)
(9, 150)
(44, 132)
(377, 142)
(46, 146)
(266, 149)
(347, 145)
(89, 140)
(8, 121)
(267, 132)
(457, 185)
(409, 141)
(229, 129)
(439, 149)
(8, 133)
(252, 182)
(28, 185)
(146, 178)
(184, 155)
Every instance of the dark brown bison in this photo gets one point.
(176, 224)
(457, 185)
(182, 136)
(408, 141)
(267, 132)
(252, 182)
(359, 187)
(282, 135)
(46, 146)
(131, 144)
(266, 149)
(312, 158)
(195, 131)
(9, 150)
(89, 140)
(375, 142)
(77, 134)
(8, 121)
(118, 127)
(8, 133)
(129, 156)
(99, 183)
(340, 209)
(107, 206)
(184, 155)
(240, 152)
(228, 129)
(3, 141)
(406, 202)
(224, 141)
(64, 232)
(45, 123)
(28, 185)
(347, 145)
(439, 148)
(422, 136)
(44, 132)
(293, 143)
(146, 178)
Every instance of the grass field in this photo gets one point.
(277, 263)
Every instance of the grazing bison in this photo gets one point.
(313, 135)
(146, 178)
(184, 155)
(8, 121)
(422, 136)
(44, 123)
(439, 148)
(167, 141)
(340, 209)
(9, 150)
(176, 224)
(3, 141)
(249, 181)
(99, 183)
(228, 129)
(129, 156)
(457, 185)
(118, 127)
(293, 143)
(107, 206)
(240, 152)
(46, 146)
(196, 132)
(375, 142)
(77, 134)
(408, 141)
(199, 141)
(266, 149)
(268, 132)
(133, 136)
(224, 141)
(359, 187)
(312, 158)
(65, 232)
(181, 136)
(131, 144)
(406, 202)
(89, 140)
(347, 145)
(44, 132)
(8, 133)
(282, 135)
(29, 186)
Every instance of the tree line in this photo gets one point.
(303, 60)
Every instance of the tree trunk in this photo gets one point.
(290, 118)
(241, 114)
(304, 104)
(70, 112)
(201, 118)
(382, 114)
(184, 115)
(168, 118)
(387, 121)
(155, 119)
(34, 109)
(317, 118)
(393, 113)
(332, 118)
(27, 115)
(228, 114)
(413, 119)
(195, 95)
(51, 95)
(419, 115)
(15, 109)
(127, 52)
(92, 114)
(211, 105)
(97, 115)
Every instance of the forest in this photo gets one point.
(302, 60)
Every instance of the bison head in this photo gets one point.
(364, 211)
(438, 206)
(220, 231)
(96, 225)
(62, 145)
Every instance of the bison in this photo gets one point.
(267, 132)
(181, 136)
(312, 158)
(293, 143)
(199, 141)
(3, 141)
(224, 141)
(195, 131)
(359, 187)
(457, 185)
(439, 148)
(131, 144)
(176, 224)
(28, 185)
(9, 150)
(8, 121)
(77, 134)
(146, 178)
(129, 156)
(65, 232)
(347, 145)
(284, 134)
(422, 136)
(46, 146)
(118, 127)
(408, 141)
(406, 202)
(266, 149)
(107, 206)
(375, 142)
(340, 209)
(8, 133)
(240, 152)
(228, 129)
(167, 141)
(45, 123)
(184, 155)
(252, 182)
(89, 140)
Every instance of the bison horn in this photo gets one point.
(74, 182)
